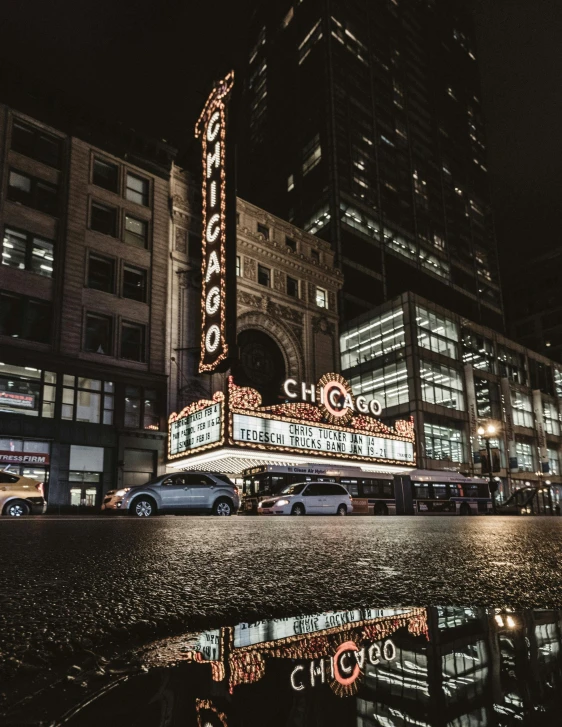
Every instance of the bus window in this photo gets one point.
(388, 489)
(421, 492)
(440, 492)
(470, 490)
(277, 483)
(370, 489)
(351, 486)
(455, 491)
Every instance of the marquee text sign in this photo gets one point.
(217, 233)
(319, 439)
(201, 428)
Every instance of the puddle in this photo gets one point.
(434, 667)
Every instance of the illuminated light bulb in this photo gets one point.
(212, 339)
(213, 159)
(213, 193)
(213, 228)
(499, 620)
(481, 431)
(213, 301)
(510, 622)
(491, 429)
(212, 265)
(213, 126)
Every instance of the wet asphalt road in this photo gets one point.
(69, 584)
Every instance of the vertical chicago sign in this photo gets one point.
(218, 302)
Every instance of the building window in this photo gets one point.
(104, 219)
(238, 266)
(26, 251)
(290, 182)
(87, 400)
(525, 460)
(553, 461)
(558, 382)
(437, 333)
(512, 365)
(136, 231)
(321, 298)
(478, 351)
(522, 409)
(487, 399)
(99, 334)
(292, 287)
(134, 283)
(22, 317)
(36, 144)
(101, 273)
(142, 408)
(264, 276)
(263, 230)
(312, 154)
(373, 339)
(291, 244)
(388, 384)
(26, 390)
(106, 175)
(444, 442)
(133, 342)
(441, 385)
(551, 418)
(137, 189)
(33, 192)
(315, 255)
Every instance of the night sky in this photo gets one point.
(150, 62)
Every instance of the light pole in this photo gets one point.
(487, 433)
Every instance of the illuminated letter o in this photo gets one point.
(212, 304)
(213, 126)
(213, 228)
(375, 407)
(212, 339)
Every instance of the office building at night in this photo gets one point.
(363, 124)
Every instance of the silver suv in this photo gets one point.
(179, 494)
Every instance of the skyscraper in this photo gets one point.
(363, 124)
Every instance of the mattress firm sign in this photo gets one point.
(273, 433)
(196, 430)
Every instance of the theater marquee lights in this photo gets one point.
(219, 233)
(330, 424)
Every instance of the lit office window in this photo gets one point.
(312, 154)
(441, 385)
(437, 333)
(551, 418)
(444, 442)
(321, 298)
(522, 409)
(26, 251)
(525, 459)
(26, 390)
(388, 384)
(372, 339)
(137, 189)
(553, 461)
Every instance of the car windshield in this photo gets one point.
(293, 489)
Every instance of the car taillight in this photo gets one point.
(39, 486)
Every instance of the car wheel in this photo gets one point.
(17, 508)
(298, 509)
(223, 507)
(465, 509)
(143, 507)
(381, 509)
(342, 510)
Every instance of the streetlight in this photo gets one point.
(488, 433)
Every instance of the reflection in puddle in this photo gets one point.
(446, 667)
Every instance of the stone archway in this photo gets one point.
(281, 335)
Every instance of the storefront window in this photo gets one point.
(26, 390)
(84, 488)
(525, 460)
(441, 385)
(478, 351)
(87, 400)
(444, 442)
(26, 457)
(373, 338)
(522, 409)
(551, 418)
(388, 384)
(437, 333)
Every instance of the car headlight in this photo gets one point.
(122, 492)
(280, 503)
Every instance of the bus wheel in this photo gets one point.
(465, 509)
(381, 509)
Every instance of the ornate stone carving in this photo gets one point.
(254, 301)
(250, 268)
(322, 325)
(284, 313)
(279, 281)
(190, 278)
(181, 240)
(331, 300)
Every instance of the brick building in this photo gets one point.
(85, 238)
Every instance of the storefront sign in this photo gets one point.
(23, 401)
(317, 439)
(23, 458)
(199, 429)
(219, 235)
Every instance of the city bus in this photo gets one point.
(372, 492)
(430, 492)
(419, 492)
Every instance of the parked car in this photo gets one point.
(20, 495)
(308, 498)
(180, 493)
